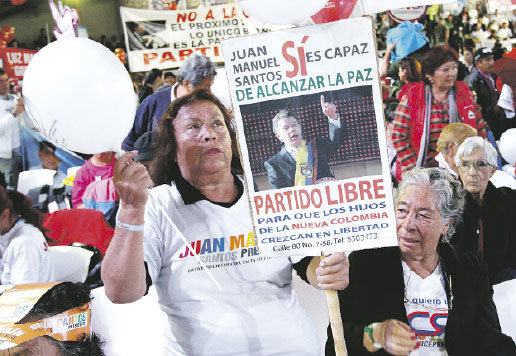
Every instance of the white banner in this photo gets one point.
(324, 80)
(163, 39)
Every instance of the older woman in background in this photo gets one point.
(423, 297)
(429, 106)
(489, 223)
(24, 254)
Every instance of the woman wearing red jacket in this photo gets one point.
(417, 126)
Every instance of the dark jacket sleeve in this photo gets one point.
(277, 176)
(360, 302)
(142, 123)
(302, 266)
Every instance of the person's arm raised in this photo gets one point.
(386, 60)
(123, 271)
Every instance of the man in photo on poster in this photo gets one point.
(301, 161)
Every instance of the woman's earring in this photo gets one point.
(431, 81)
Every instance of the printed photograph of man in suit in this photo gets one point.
(302, 161)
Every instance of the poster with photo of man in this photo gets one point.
(308, 111)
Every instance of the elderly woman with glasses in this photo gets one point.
(423, 297)
(489, 223)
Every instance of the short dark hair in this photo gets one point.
(164, 166)
(131, 25)
(45, 144)
(58, 299)
(169, 74)
(436, 57)
(152, 75)
(470, 49)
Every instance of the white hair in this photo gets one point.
(476, 143)
(448, 192)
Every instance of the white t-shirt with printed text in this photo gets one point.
(427, 310)
(255, 313)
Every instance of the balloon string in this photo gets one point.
(189, 248)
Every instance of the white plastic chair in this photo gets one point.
(504, 299)
(34, 178)
(71, 263)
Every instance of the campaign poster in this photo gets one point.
(15, 62)
(164, 39)
(308, 111)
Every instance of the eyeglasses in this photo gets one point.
(479, 165)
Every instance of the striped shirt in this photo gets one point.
(439, 118)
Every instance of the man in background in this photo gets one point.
(10, 110)
(169, 78)
(196, 72)
(49, 160)
(483, 81)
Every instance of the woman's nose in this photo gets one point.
(207, 133)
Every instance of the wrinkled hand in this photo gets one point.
(333, 272)
(398, 337)
(132, 181)
(328, 109)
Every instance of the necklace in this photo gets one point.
(447, 280)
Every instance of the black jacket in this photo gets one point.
(376, 293)
(487, 100)
(498, 216)
(281, 167)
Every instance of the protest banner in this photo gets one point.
(15, 62)
(164, 39)
(346, 201)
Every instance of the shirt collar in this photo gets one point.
(7, 96)
(191, 195)
(6, 238)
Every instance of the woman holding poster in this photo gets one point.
(429, 106)
(192, 237)
(423, 297)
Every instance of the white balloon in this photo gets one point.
(79, 95)
(507, 146)
(281, 12)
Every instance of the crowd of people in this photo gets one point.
(181, 180)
